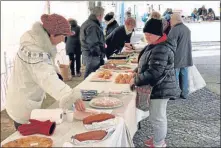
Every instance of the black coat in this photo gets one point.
(92, 38)
(202, 11)
(115, 41)
(183, 55)
(73, 45)
(156, 61)
(111, 27)
(167, 30)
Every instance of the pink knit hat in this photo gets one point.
(56, 24)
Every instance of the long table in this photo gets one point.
(128, 111)
(122, 137)
(125, 129)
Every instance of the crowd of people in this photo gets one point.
(203, 13)
(162, 63)
(197, 14)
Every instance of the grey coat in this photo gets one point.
(183, 54)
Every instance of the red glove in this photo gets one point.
(37, 127)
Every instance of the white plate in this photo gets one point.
(102, 98)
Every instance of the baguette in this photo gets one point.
(92, 135)
(97, 118)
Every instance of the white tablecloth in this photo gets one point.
(125, 130)
(123, 134)
(64, 131)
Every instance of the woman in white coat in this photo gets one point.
(34, 71)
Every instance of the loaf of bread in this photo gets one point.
(97, 118)
(92, 135)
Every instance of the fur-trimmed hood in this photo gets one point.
(38, 38)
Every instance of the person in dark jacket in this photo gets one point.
(156, 68)
(92, 41)
(121, 35)
(202, 12)
(73, 48)
(211, 15)
(183, 56)
(111, 23)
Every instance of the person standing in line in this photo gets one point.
(183, 55)
(156, 68)
(93, 41)
(73, 48)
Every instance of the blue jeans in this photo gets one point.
(92, 64)
(182, 81)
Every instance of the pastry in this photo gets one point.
(106, 102)
(102, 75)
(106, 76)
(97, 118)
(117, 61)
(30, 141)
(92, 135)
(123, 78)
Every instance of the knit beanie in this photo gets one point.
(154, 26)
(56, 24)
(108, 17)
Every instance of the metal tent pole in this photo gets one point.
(122, 14)
(48, 6)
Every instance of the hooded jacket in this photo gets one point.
(155, 62)
(34, 74)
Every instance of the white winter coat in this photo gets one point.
(34, 74)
